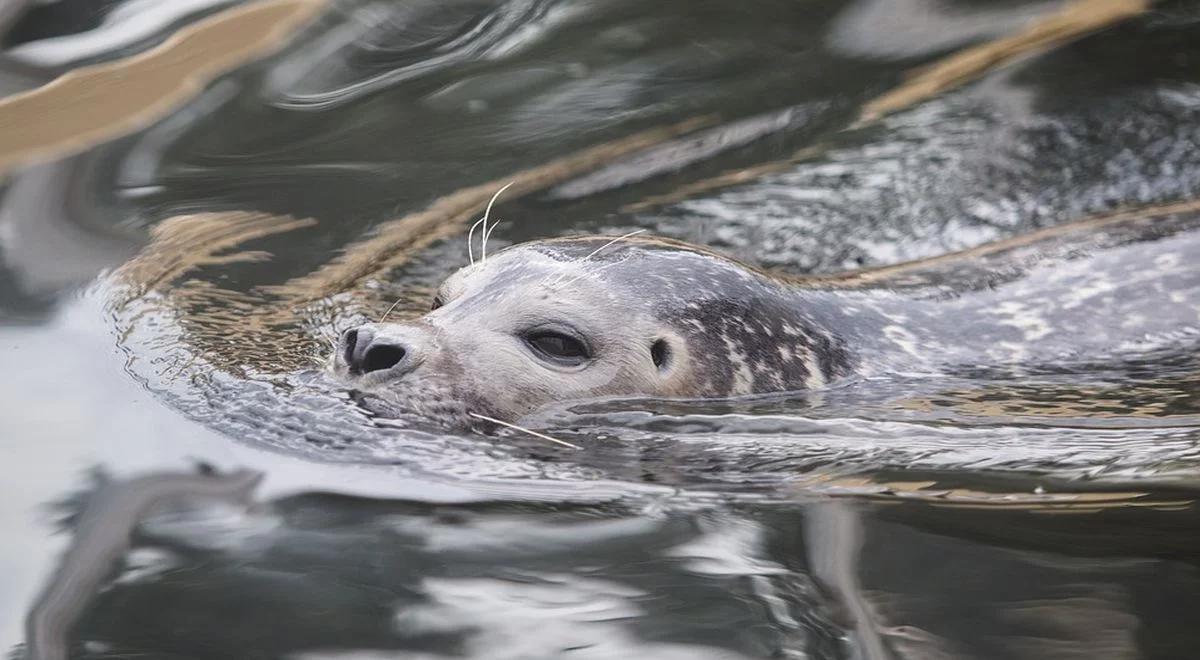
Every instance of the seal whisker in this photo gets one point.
(486, 214)
(598, 250)
(491, 229)
(389, 310)
(580, 276)
(615, 240)
(470, 237)
(535, 434)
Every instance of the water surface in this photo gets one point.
(169, 292)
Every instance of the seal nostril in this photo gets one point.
(660, 353)
(349, 341)
(382, 357)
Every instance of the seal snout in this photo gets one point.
(369, 349)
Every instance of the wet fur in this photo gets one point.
(738, 330)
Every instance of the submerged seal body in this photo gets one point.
(571, 319)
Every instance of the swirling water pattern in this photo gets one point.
(224, 244)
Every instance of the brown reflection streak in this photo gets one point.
(1177, 396)
(1081, 228)
(96, 103)
(1076, 20)
(859, 487)
(185, 243)
(277, 329)
(394, 242)
(208, 315)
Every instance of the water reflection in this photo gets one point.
(635, 577)
(102, 528)
(989, 513)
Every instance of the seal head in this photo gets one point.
(573, 319)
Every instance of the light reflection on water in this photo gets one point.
(1041, 513)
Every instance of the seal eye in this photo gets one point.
(437, 302)
(557, 348)
(660, 353)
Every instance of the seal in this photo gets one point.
(582, 318)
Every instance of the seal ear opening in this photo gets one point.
(660, 353)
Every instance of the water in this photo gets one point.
(169, 289)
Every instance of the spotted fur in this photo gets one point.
(735, 330)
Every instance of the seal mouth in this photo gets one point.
(422, 403)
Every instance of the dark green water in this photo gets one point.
(1036, 514)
